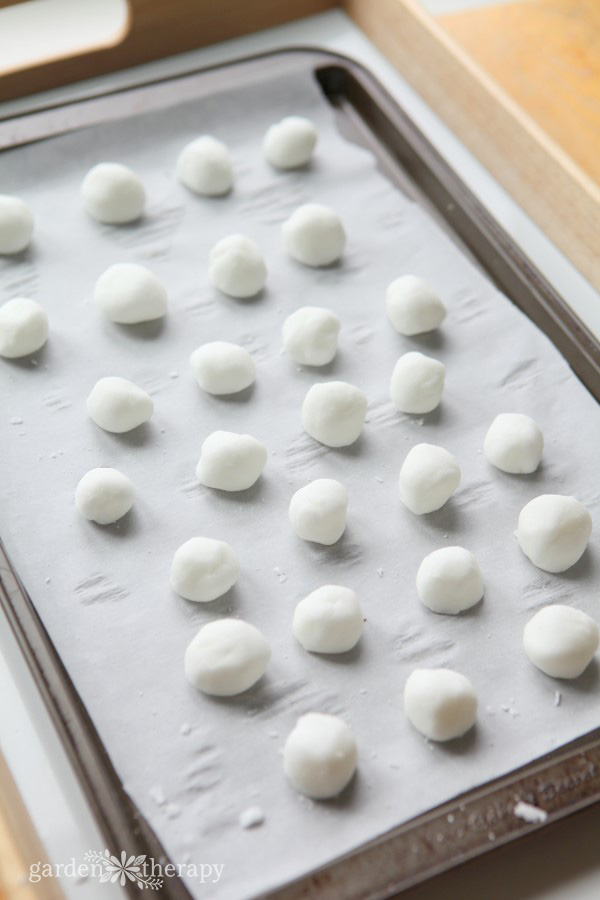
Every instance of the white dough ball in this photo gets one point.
(204, 166)
(334, 413)
(104, 495)
(23, 327)
(561, 641)
(118, 405)
(417, 383)
(440, 703)
(230, 462)
(289, 144)
(329, 620)
(428, 478)
(449, 581)
(318, 511)
(16, 225)
(553, 531)
(314, 235)
(223, 368)
(226, 657)
(320, 756)
(310, 335)
(237, 267)
(113, 194)
(514, 444)
(413, 307)
(204, 569)
(127, 293)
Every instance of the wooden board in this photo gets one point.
(20, 847)
(546, 56)
(558, 195)
(155, 29)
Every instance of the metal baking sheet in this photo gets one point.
(191, 764)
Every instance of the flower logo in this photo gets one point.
(132, 869)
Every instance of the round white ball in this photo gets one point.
(449, 581)
(428, 478)
(553, 531)
(204, 166)
(333, 413)
(417, 383)
(318, 511)
(440, 703)
(226, 657)
(204, 569)
(118, 405)
(104, 495)
(231, 462)
(16, 225)
(223, 368)
(320, 756)
(514, 444)
(289, 144)
(127, 293)
(23, 327)
(413, 307)
(314, 235)
(329, 620)
(561, 641)
(113, 194)
(237, 267)
(310, 335)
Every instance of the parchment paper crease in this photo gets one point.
(104, 594)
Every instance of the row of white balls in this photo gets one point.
(448, 580)
(553, 529)
(113, 194)
(228, 656)
(226, 660)
(333, 412)
(127, 293)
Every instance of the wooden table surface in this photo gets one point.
(546, 55)
(19, 847)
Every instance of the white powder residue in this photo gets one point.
(251, 817)
(157, 794)
(529, 813)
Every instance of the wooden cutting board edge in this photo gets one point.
(555, 192)
(20, 847)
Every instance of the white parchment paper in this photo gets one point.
(192, 763)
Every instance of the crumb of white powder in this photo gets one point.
(251, 817)
(529, 813)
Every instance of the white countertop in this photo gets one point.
(558, 863)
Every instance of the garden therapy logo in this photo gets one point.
(132, 869)
(144, 872)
